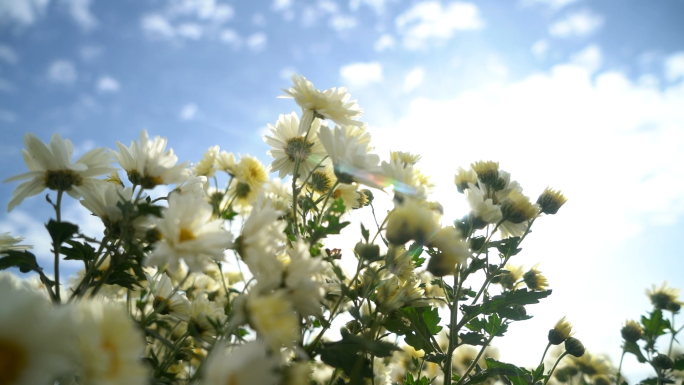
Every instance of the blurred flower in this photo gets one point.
(661, 297)
(274, 318)
(483, 209)
(393, 293)
(453, 251)
(351, 160)
(632, 331)
(590, 364)
(322, 179)
(51, 167)
(188, 233)
(509, 280)
(103, 200)
(149, 164)
(175, 303)
(193, 186)
(248, 364)
(35, 340)
(404, 158)
(487, 171)
(206, 315)
(350, 195)
(8, 242)
(412, 220)
(225, 161)
(333, 103)
(575, 348)
(550, 201)
(463, 178)
(304, 285)
(207, 166)
(289, 146)
(560, 332)
(535, 280)
(110, 346)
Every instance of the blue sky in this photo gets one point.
(582, 95)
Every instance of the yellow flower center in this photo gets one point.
(232, 380)
(62, 180)
(186, 235)
(114, 362)
(12, 361)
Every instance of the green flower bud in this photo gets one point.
(574, 347)
(663, 361)
(367, 251)
(632, 331)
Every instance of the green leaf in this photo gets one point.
(23, 260)
(61, 231)
(365, 233)
(654, 327)
(679, 363)
(417, 326)
(632, 347)
(415, 251)
(508, 299)
(472, 338)
(78, 251)
(508, 247)
(347, 354)
(476, 243)
(145, 209)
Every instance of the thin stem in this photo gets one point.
(325, 202)
(619, 372)
(58, 247)
(452, 327)
(472, 364)
(674, 333)
(542, 359)
(554, 366)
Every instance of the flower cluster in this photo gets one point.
(230, 277)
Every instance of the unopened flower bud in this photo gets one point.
(550, 201)
(673, 306)
(517, 208)
(354, 326)
(560, 332)
(663, 361)
(574, 347)
(487, 171)
(632, 331)
(602, 379)
(535, 280)
(367, 251)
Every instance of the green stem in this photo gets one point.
(58, 247)
(453, 339)
(674, 334)
(619, 372)
(472, 364)
(554, 366)
(325, 202)
(542, 359)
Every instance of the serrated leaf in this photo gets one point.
(472, 338)
(517, 297)
(78, 251)
(508, 247)
(347, 354)
(632, 347)
(23, 260)
(60, 231)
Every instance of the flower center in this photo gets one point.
(62, 179)
(297, 148)
(114, 362)
(320, 182)
(242, 190)
(12, 361)
(186, 235)
(145, 181)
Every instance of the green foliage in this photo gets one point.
(417, 325)
(348, 354)
(61, 231)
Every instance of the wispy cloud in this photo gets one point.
(188, 112)
(553, 4)
(187, 19)
(414, 79)
(342, 23)
(107, 84)
(674, 66)
(590, 58)
(385, 42)
(79, 10)
(22, 12)
(577, 24)
(62, 72)
(8, 55)
(361, 74)
(429, 21)
(257, 42)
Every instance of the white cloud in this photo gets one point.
(62, 72)
(89, 53)
(190, 31)
(385, 41)
(378, 6)
(256, 42)
(674, 66)
(156, 25)
(287, 72)
(429, 20)
(577, 24)
(553, 4)
(342, 23)
(280, 5)
(207, 10)
(107, 84)
(361, 74)
(8, 55)
(414, 79)
(589, 58)
(231, 37)
(612, 145)
(259, 20)
(80, 12)
(328, 6)
(22, 12)
(539, 48)
(188, 112)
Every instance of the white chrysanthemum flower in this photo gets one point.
(351, 197)
(333, 103)
(274, 318)
(205, 314)
(193, 186)
(207, 166)
(225, 161)
(261, 239)
(394, 293)
(482, 208)
(290, 146)
(149, 164)
(453, 251)
(103, 199)
(51, 167)
(188, 233)
(249, 180)
(8, 242)
(463, 178)
(404, 158)
(406, 179)
(200, 283)
(111, 347)
(350, 159)
(399, 262)
(175, 303)
(35, 340)
(304, 286)
(248, 364)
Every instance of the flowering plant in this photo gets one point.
(235, 283)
